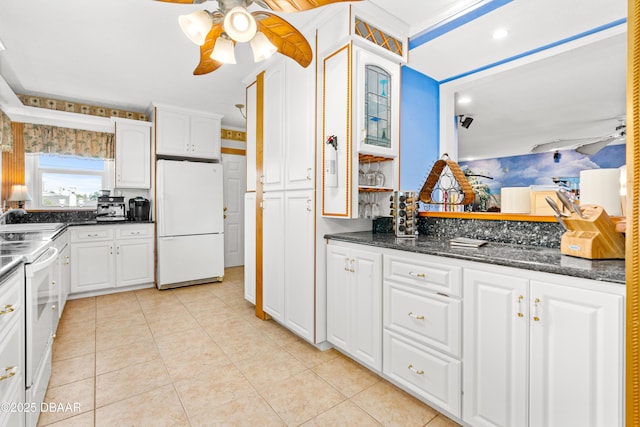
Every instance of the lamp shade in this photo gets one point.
(20, 194)
(262, 48)
(239, 24)
(196, 25)
(223, 51)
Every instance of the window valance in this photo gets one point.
(53, 139)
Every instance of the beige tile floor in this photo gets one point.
(198, 356)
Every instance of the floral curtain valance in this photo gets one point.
(53, 139)
(6, 137)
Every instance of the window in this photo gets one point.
(65, 181)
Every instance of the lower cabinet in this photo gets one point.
(541, 352)
(61, 274)
(354, 302)
(288, 291)
(108, 256)
(250, 247)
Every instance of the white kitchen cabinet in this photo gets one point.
(541, 352)
(187, 133)
(12, 347)
(61, 275)
(109, 256)
(252, 111)
(132, 153)
(250, 247)
(288, 133)
(273, 260)
(288, 262)
(354, 302)
(422, 313)
(361, 94)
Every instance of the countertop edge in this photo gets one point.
(584, 273)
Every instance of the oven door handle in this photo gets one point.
(40, 265)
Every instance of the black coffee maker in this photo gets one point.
(139, 209)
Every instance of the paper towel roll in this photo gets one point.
(515, 200)
(601, 187)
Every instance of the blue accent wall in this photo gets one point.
(419, 127)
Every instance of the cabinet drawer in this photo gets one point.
(15, 397)
(11, 359)
(424, 272)
(134, 231)
(426, 317)
(82, 234)
(430, 374)
(11, 301)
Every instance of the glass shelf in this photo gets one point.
(372, 189)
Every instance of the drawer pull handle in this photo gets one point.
(7, 309)
(92, 235)
(520, 313)
(10, 370)
(415, 371)
(415, 316)
(419, 275)
(535, 310)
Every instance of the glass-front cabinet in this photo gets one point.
(360, 131)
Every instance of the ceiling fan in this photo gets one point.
(586, 146)
(217, 32)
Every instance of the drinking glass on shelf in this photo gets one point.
(362, 178)
(379, 177)
(367, 206)
(375, 207)
(371, 175)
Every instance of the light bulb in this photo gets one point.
(239, 24)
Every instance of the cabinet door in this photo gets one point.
(65, 276)
(300, 148)
(576, 357)
(205, 137)
(299, 279)
(273, 255)
(133, 154)
(336, 113)
(376, 111)
(495, 342)
(172, 132)
(274, 136)
(250, 247)
(134, 262)
(366, 306)
(339, 297)
(252, 122)
(93, 266)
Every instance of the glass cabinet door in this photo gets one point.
(377, 106)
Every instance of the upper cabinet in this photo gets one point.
(187, 133)
(132, 153)
(360, 128)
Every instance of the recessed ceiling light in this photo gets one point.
(500, 33)
(464, 100)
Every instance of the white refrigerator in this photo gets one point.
(189, 220)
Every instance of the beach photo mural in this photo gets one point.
(542, 169)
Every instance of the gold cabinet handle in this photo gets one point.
(415, 316)
(352, 262)
(419, 275)
(535, 308)
(224, 217)
(520, 313)
(346, 264)
(309, 177)
(10, 372)
(7, 309)
(415, 371)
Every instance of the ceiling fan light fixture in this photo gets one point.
(196, 25)
(239, 24)
(223, 50)
(262, 48)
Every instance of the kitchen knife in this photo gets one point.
(564, 198)
(555, 207)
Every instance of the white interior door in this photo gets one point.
(234, 187)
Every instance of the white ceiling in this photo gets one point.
(130, 53)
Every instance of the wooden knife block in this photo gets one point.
(593, 237)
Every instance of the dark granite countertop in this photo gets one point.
(548, 260)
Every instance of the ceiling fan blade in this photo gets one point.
(594, 147)
(289, 41)
(290, 6)
(207, 64)
(561, 143)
